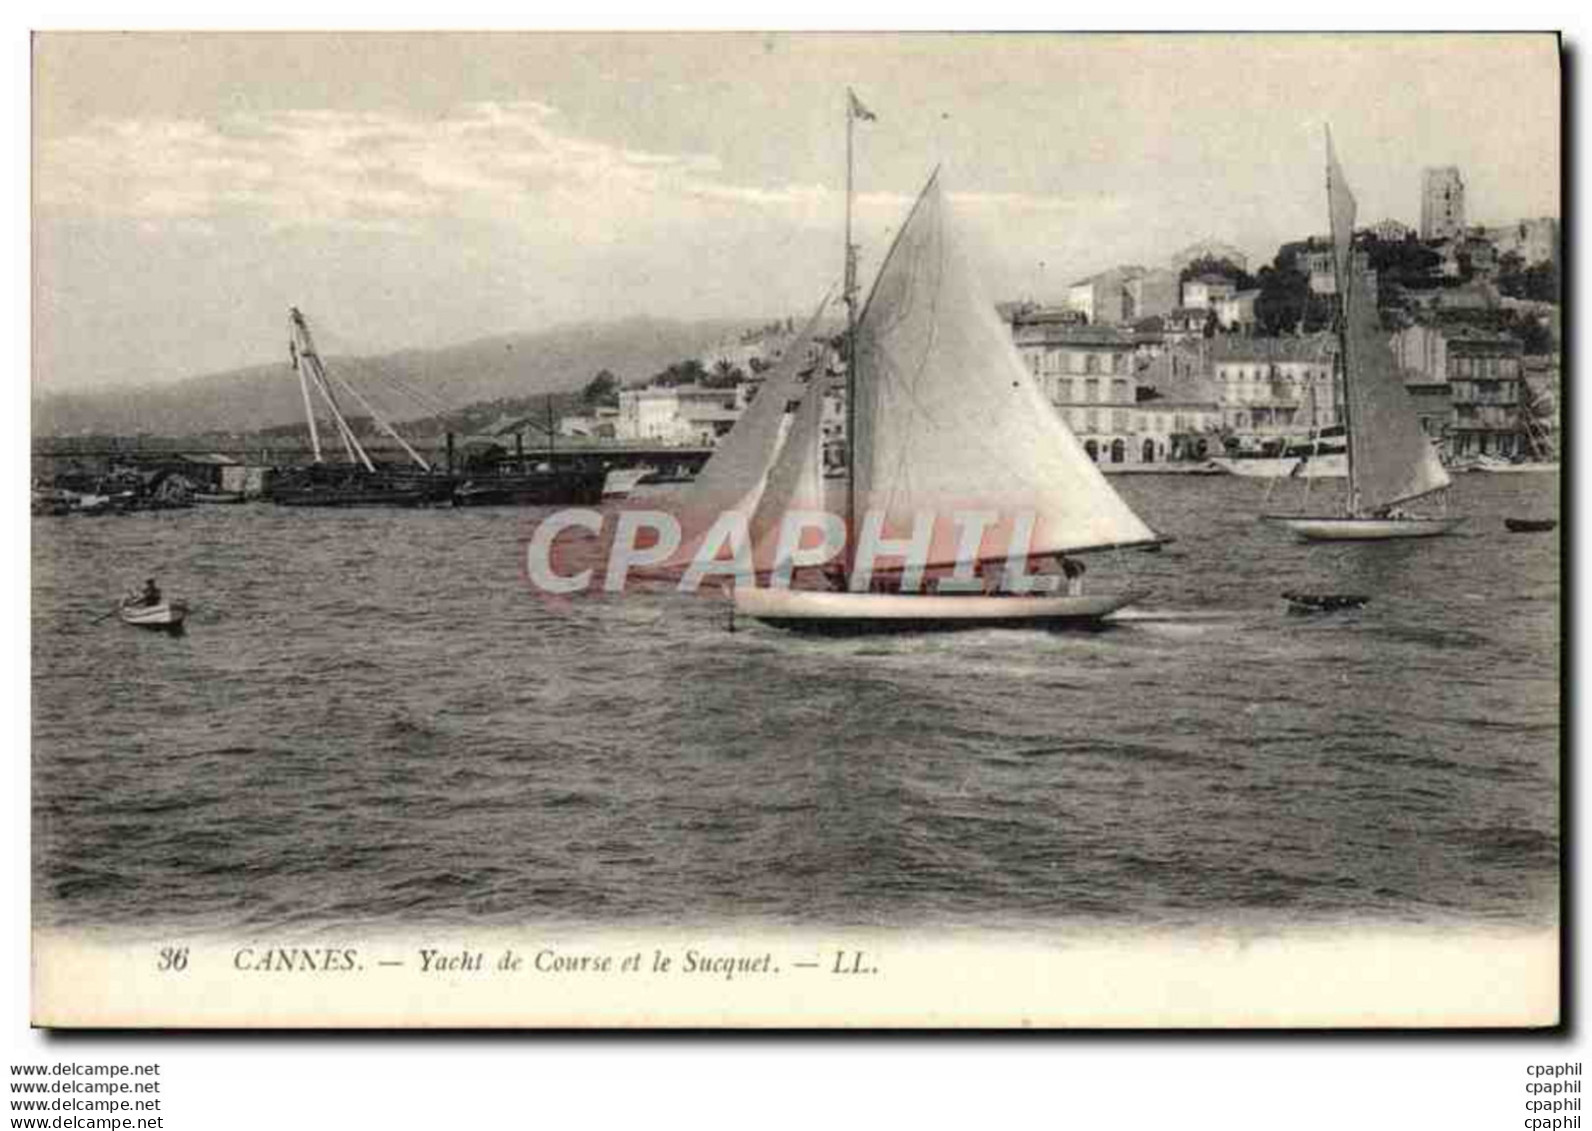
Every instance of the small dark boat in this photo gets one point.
(1530, 525)
(164, 616)
(1323, 602)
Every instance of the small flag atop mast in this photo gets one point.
(858, 110)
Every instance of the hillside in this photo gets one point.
(518, 365)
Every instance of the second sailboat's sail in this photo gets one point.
(1391, 460)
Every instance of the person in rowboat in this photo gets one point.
(151, 594)
(1073, 571)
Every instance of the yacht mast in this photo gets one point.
(1341, 278)
(849, 295)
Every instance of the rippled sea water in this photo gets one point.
(373, 722)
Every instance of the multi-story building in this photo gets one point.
(1442, 203)
(1237, 311)
(679, 414)
(1422, 355)
(1179, 416)
(1104, 298)
(1484, 376)
(1153, 293)
(1087, 372)
(1204, 291)
(1273, 387)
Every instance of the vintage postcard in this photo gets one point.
(796, 530)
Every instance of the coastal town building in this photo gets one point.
(1442, 202)
(1104, 299)
(679, 414)
(1178, 415)
(1236, 312)
(1274, 387)
(1153, 293)
(1422, 355)
(1205, 291)
(1087, 372)
(1484, 374)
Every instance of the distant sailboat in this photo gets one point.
(1390, 460)
(943, 419)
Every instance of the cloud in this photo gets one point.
(512, 163)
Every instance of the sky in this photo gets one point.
(420, 189)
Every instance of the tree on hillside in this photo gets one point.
(602, 389)
(1404, 263)
(1284, 294)
(1210, 265)
(1318, 313)
(725, 374)
(688, 372)
(1534, 337)
(1539, 282)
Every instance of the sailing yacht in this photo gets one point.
(1391, 463)
(943, 420)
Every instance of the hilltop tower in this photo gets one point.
(1442, 203)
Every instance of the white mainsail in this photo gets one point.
(948, 419)
(732, 480)
(1390, 459)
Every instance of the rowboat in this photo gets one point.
(1530, 525)
(167, 616)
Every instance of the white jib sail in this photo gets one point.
(732, 479)
(794, 487)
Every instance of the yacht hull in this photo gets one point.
(847, 613)
(1363, 529)
(1286, 467)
